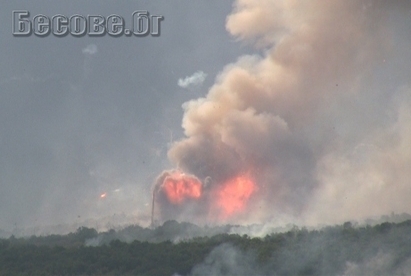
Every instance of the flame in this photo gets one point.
(179, 186)
(234, 194)
(103, 195)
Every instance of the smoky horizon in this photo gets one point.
(238, 112)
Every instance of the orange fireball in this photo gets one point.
(179, 186)
(234, 194)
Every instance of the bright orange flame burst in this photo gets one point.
(179, 186)
(233, 196)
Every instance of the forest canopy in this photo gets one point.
(334, 250)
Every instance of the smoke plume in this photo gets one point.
(194, 80)
(304, 128)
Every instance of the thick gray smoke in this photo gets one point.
(380, 264)
(311, 120)
(227, 260)
(309, 259)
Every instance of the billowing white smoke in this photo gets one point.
(302, 119)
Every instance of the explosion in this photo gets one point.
(178, 187)
(173, 192)
(278, 115)
(177, 192)
(233, 195)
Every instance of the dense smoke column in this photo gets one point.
(268, 119)
(254, 118)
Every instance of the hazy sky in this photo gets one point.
(76, 123)
(322, 102)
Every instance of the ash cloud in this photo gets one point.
(293, 116)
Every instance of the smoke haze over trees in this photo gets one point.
(383, 249)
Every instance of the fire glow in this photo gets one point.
(178, 187)
(233, 195)
(180, 193)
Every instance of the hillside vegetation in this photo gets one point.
(338, 250)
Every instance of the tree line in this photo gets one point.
(327, 251)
